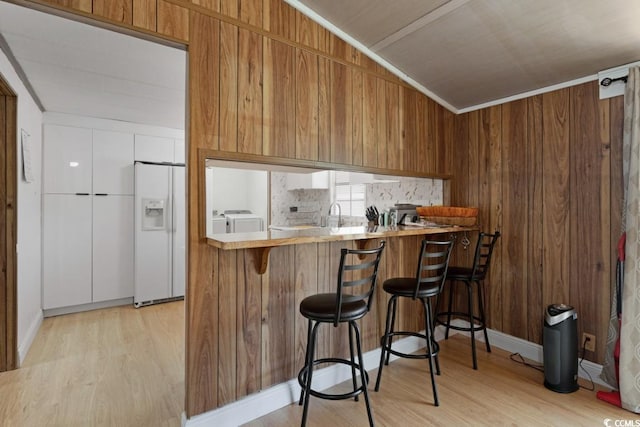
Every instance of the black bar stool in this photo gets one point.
(432, 269)
(341, 307)
(470, 276)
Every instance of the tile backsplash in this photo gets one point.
(313, 204)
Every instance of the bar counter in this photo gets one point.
(261, 242)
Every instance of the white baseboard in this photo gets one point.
(281, 395)
(25, 345)
(86, 307)
(531, 351)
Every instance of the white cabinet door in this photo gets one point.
(67, 250)
(67, 159)
(153, 149)
(178, 151)
(112, 162)
(112, 247)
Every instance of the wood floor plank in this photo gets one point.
(116, 366)
(502, 392)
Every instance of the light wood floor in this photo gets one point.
(499, 393)
(113, 367)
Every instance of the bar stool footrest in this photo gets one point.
(479, 326)
(329, 396)
(436, 347)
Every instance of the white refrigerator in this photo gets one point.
(160, 225)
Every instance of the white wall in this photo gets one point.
(228, 188)
(29, 215)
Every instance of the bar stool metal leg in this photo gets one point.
(483, 319)
(385, 341)
(472, 325)
(449, 309)
(430, 353)
(353, 366)
(394, 299)
(307, 359)
(430, 326)
(309, 373)
(363, 373)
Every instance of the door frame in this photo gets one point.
(8, 227)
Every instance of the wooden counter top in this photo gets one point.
(274, 238)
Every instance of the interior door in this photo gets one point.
(179, 231)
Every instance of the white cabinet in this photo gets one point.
(154, 149)
(112, 162)
(67, 250)
(112, 247)
(67, 160)
(315, 180)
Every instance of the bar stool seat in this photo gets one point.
(357, 278)
(433, 262)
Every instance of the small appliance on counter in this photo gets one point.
(560, 348)
(406, 212)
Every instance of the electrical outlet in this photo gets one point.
(590, 345)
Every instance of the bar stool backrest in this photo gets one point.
(433, 263)
(357, 277)
(482, 257)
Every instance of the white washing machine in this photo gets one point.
(243, 221)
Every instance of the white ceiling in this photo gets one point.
(473, 52)
(80, 69)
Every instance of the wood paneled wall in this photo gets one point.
(541, 171)
(545, 171)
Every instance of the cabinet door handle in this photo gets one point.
(101, 194)
(82, 194)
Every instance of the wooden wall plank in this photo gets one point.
(590, 229)
(279, 104)
(248, 326)
(306, 31)
(409, 131)
(85, 6)
(279, 19)
(114, 10)
(278, 314)
(250, 12)
(208, 4)
(535, 237)
(229, 8)
(357, 95)
(515, 255)
(201, 356)
(369, 121)
(381, 117)
(173, 20)
(394, 141)
(556, 197)
(249, 92)
(306, 284)
(307, 102)
(229, 87)
(144, 14)
(324, 109)
(424, 163)
(341, 114)
(227, 318)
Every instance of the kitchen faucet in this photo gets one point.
(339, 212)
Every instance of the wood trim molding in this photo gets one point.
(101, 22)
(9, 222)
